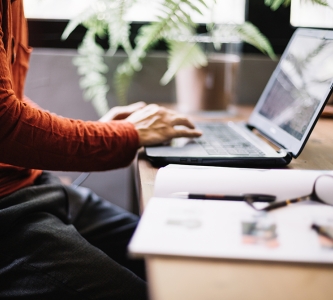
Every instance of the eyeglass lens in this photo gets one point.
(324, 189)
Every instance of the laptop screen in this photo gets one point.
(298, 88)
(305, 75)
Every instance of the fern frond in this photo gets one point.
(182, 55)
(275, 4)
(122, 80)
(183, 10)
(287, 3)
(106, 16)
(92, 68)
(148, 36)
(103, 17)
(96, 26)
(118, 26)
(73, 23)
(195, 8)
(251, 35)
(320, 2)
(174, 17)
(119, 36)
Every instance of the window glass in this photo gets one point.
(54, 9)
(226, 11)
(308, 14)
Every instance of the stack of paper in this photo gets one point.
(232, 229)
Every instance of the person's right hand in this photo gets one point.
(156, 125)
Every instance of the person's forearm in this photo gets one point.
(31, 103)
(33, 138)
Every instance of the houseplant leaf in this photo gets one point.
(173, 18)
(182, 55)
(251, 34)
(107, 18)
(92, 68)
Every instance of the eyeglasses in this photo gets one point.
(322, 192)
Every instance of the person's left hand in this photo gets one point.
(122, 112)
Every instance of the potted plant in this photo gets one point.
(174, 25)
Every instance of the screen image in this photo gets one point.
(305, 75)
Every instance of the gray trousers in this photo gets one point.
(57, 242)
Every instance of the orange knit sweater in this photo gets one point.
(31, 139)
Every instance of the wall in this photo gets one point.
(53, 83)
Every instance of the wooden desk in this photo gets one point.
(173, 278)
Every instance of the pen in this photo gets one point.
(322, 231)
(255, 197)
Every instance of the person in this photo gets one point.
(58, 241)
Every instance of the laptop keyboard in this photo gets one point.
(221, 139)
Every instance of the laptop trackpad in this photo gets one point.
(181, 142)
(178, 147)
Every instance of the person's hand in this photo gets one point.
(121, 112)
(156, 125)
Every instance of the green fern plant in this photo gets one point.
(174, 24)
(275, 4)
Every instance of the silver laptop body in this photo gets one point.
(285, 114)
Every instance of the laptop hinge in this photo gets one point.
(250, 127)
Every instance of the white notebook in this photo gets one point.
(232, 229)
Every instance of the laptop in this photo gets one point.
(285, 114)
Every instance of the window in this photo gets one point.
(225, 12)
(54, 9)
(307, 14)
(48, 19)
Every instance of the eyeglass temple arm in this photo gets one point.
(283, 203)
